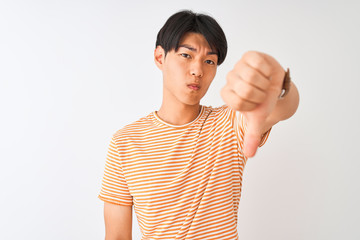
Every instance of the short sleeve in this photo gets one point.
(114, 187)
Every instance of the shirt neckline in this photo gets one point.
(159, 120)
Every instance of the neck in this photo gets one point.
(178, 114)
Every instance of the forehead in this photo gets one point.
(196, 40)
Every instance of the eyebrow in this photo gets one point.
(194, 49)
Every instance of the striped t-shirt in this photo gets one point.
(184, 181)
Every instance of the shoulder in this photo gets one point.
(221, 111)
(135, 128)
(219, 116)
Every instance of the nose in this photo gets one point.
(196, 69)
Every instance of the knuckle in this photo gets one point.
(252, 75)
(255, 59)
(235, 102)
(247, 93)
(250, 53)
(239, 105)
(259, 61)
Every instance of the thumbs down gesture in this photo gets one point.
(253, 88)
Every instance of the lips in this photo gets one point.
(193, 86)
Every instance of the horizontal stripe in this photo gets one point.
(184, 181)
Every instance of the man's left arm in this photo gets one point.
(253, 88)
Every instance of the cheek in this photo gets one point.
(209, 78)
(211, 75)
(177, 67)
(173, 78)
(175, 73)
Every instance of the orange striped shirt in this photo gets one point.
(184, 181)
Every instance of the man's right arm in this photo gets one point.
(118, 222)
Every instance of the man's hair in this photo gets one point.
(187, 21)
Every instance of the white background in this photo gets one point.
(74, 72)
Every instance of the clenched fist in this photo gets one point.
(253, 88)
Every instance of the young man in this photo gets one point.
(181, 166)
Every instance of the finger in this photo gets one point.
(266, 65)
(252, 139)
(260, 62)
(251, 144)
(247, 91)
(235, 102)
(252, 76)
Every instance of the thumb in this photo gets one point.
(252, 139)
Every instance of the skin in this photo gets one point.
(252, 88)
(118, 222)
(193, 64)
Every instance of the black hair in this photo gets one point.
(187, 21)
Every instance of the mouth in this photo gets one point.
(194, 86)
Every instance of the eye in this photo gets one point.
(210, 62)
(185, 55)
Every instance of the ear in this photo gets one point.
(159, 56)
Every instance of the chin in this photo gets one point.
(191, 99)
(192, 102)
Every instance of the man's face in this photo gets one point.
(188, 72)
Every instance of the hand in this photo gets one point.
(253, 88)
